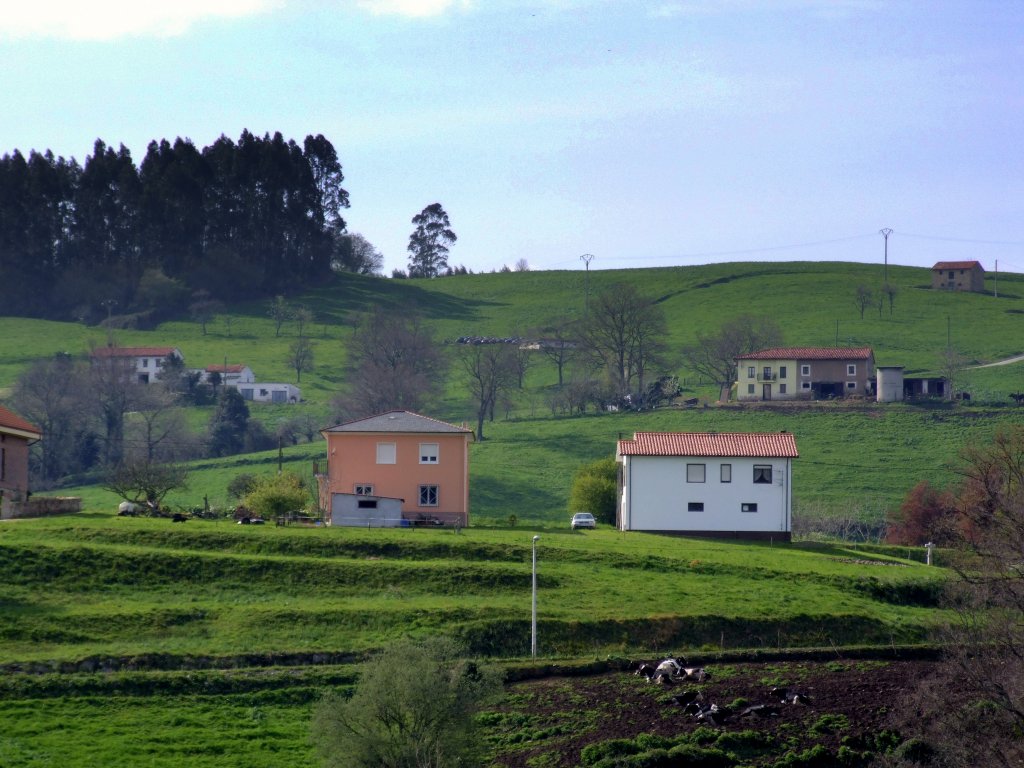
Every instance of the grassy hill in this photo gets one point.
(861, 459)
(206, 644)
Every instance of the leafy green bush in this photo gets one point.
(594, 489)
(277, 495)
(241, 485)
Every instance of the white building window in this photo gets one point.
(782, 389)
(428, 495)
(805, 370)
(763, 474)
(750, 389)
(805, 385)
(748, 506)
(428, 453)
(145, 362)
(364, 490)
(386, 453)
(695, 473)
(695, 506)
(726, 476)
(851, 370)
(750, 371)
(851, 385)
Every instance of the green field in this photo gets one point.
(141, 642)
(207, 643)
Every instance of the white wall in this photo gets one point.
(656, 495)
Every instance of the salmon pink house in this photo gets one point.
(707, 484)
(396, 468)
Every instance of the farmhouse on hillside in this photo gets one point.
(144, 363)
(707, 484)
(242, 378)
(958, 276)
(398, 456)
(16, 435)
(804, 373)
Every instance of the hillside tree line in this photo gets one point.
(260, 216)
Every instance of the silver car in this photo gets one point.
(583, 520)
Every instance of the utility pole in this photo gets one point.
(885, 233)
(533, 622)
(997, 279)
(587, 258)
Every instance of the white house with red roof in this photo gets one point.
(734, 485)
(230, 375)
(805, 373)
(145, 363)
(958, 276)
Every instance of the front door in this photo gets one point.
(766, 391)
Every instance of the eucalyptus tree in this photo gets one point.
(430, 241)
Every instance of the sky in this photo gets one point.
(643, 134)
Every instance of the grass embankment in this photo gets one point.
(138, 641)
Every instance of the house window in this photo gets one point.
(763, 474)
(750, 372)
(782, 389)
(145, 362)
(364, 490)
(386, 453)
(695, 506)
(767, 373)
(695, 473)
(951, 274)
(805, 385)
(805, 370)
(750, 389)
(726, 476)
(782, 371)
(748, 506)
(264, 393)
(851, 370)
(428, 453)
(428, 495)
(367, 504)
(851, 385)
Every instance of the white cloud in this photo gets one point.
(413, 8)
(112, 19)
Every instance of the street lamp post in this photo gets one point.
(533, 625)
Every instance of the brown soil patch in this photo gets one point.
(550, 721)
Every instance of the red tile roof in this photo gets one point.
(397, 421)
(810, 353)
(225, 368)
(958, 265)
(773, 445)
(10, 422)
(133, 351)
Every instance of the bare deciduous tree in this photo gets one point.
(863, 298)
(625, 335)
(951, 364)
(714, 354)
(279, 312)
(47, 395)
(559, 342)
(394, 363)
(300, 356)
(490, 372)
(145, 482)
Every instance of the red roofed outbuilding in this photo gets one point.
(16, 435)
(958, 276)
(735, 485)
(805, 373)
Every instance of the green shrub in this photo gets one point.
(241, 485)
(277, 495)
(594, 488)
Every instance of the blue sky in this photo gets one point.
(646, 134)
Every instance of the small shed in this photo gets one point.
(958, 276)
(889, 383)
(366, 511)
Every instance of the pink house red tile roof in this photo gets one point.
(770, 445)
(810, 353)
(13, 424)
(133, 351)
(958, 265)
(397, 421)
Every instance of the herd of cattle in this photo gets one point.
(672, 672)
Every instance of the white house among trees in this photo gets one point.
(707, 484)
